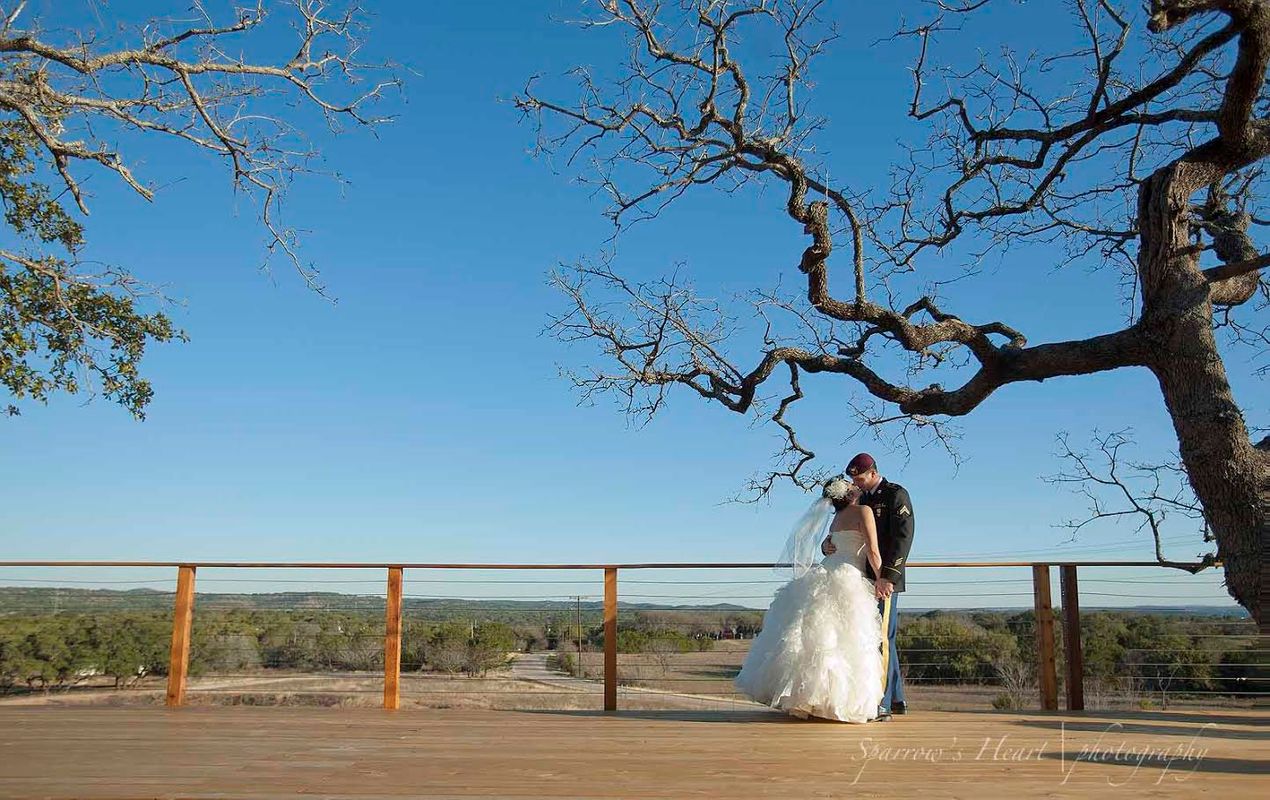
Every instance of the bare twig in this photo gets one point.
(1118, 489)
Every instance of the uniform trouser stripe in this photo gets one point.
(886, 641)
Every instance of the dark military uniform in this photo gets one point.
(893, 512)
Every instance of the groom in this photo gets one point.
(893, 511)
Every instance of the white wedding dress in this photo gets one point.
(819, 652)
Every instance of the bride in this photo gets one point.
(819, 652)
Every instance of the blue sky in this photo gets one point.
(421, 417)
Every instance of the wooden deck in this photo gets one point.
(239, 752)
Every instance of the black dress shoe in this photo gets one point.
(883, 716)
(899, 708)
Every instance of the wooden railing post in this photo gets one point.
(182, 623)
(392, 641)
(1071, 640)
(610, 639)
(1046, 667)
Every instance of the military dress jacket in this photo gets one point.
(893, 512)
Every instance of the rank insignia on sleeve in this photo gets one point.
(904, 512)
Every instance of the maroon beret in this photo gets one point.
(861, 463)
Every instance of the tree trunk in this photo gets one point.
(1231, 478)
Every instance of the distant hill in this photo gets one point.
(46, 600)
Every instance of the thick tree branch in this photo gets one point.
(1227, 271)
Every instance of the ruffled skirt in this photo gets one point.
(819, 652)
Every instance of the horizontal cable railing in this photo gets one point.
(440, 634)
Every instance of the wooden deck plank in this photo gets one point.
(273, 752)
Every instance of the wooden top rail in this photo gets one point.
(669, 565)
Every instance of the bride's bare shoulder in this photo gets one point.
(848, 518)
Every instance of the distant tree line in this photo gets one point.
(55, 651)
(1134, 653)
(1137, 652)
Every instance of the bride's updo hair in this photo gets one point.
(840, 492)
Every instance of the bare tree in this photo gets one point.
(1142, 150)
(1018, 680)
(72, 100)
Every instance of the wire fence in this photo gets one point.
(481, 638)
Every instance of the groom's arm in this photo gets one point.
(901, 536)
